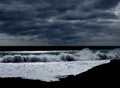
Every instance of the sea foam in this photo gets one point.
(81, 55)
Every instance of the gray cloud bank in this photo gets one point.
(59, 22)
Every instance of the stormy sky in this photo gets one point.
(60, 22)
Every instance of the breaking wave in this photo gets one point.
(85, 54)
(37, 58)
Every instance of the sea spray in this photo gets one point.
(81, 55)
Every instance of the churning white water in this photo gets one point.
(50, 66)
(46, 71)
(81, 55)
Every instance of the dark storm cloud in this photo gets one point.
(81, 15)
(90, 9)
(67, 22)
(106, 4)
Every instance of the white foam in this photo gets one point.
(46, 71)
(81, 55)
(86, 54)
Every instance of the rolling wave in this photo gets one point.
(82, 55)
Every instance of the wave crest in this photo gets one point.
(84, 54)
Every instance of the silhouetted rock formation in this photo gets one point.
(102, 75)
(21, 83)
(99, 76)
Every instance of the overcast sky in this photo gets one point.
(60, 22)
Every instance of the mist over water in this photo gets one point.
(58, 56)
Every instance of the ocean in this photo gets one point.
(52, 65)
